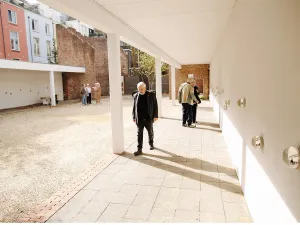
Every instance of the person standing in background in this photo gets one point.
(186, 97)
(194, 107)
(89, 94)
(97, 92)
(83, 94)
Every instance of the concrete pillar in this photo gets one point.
(52, 88)
(158, 84)
(116, 109)
(173, 76)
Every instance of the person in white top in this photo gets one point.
(89, 94)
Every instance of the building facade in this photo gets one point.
(83, 28)
(40, 37)
(13, 44)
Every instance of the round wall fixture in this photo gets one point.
(242, 102)
(258, 142)
(291, 157)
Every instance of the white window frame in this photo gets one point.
(49, 48)
(15, 39)
(36, 25)
(36, 47)
(47, 27)
(13, 16)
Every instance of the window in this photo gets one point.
(35, 25)
(14, 41)
(49, 50)
(12, 17)
(47, 29)
(84, 30)
(36, 46)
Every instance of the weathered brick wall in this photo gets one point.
(91, 53)
(201, 75)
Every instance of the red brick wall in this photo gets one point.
(75, 50)
(201, 75)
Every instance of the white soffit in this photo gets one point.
(94, 14)
(187, 30)
(183, 31)
(20, 65)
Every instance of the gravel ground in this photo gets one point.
(42, 148)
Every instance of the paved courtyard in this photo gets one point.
(188, 178)
(42, 149)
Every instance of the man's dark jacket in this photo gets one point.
(152, 106)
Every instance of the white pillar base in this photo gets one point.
(116, 108)
(158, 85)
(52, 88)
(173, 80)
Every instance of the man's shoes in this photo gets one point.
(152, 147)
(138, 152)
(184, 125)
(191, 126)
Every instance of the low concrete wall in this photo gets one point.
(22, 87)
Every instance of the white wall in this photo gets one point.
(77, 25)
(51, 13)
(41, 34)
(259, 58)
(20, 82)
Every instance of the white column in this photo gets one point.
(158, 84)
(115, 92)
(173, 76)
(52, 88)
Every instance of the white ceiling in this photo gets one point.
(186, 30)
(178, 31)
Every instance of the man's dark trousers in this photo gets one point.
(144, 123)
(194, 112)
(187, 114)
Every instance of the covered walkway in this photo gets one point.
(188, 178)
(252, 47)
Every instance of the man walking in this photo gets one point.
(186, 97)
(144, 113)
(89, 94)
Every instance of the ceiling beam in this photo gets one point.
(92, 13)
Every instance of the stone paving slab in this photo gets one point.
(188, 178)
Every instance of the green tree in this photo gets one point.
(53, 59)
(147, 67)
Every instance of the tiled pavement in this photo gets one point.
(188, 178)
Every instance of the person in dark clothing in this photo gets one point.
(196, 93)
(144, 113)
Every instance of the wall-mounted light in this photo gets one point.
(242, 102)
(291, 157)
(258, 142)
(227, 102)
(220, 91)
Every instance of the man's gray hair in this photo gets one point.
(190, 80)
(141, 84)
